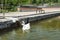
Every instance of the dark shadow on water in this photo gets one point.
(44, 19)
(13, 26)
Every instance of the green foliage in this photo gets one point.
(33, 1)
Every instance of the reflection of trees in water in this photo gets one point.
(54, 24)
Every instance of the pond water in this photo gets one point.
(48, 29)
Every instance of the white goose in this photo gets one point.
(25, 26)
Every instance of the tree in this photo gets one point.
(34, 1)
(55, 1)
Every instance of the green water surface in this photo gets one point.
(48, 29)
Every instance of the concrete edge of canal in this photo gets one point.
(10, 23)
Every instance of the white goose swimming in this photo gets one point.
(25, 26)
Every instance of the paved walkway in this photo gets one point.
(51, 9)
(28, 13)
